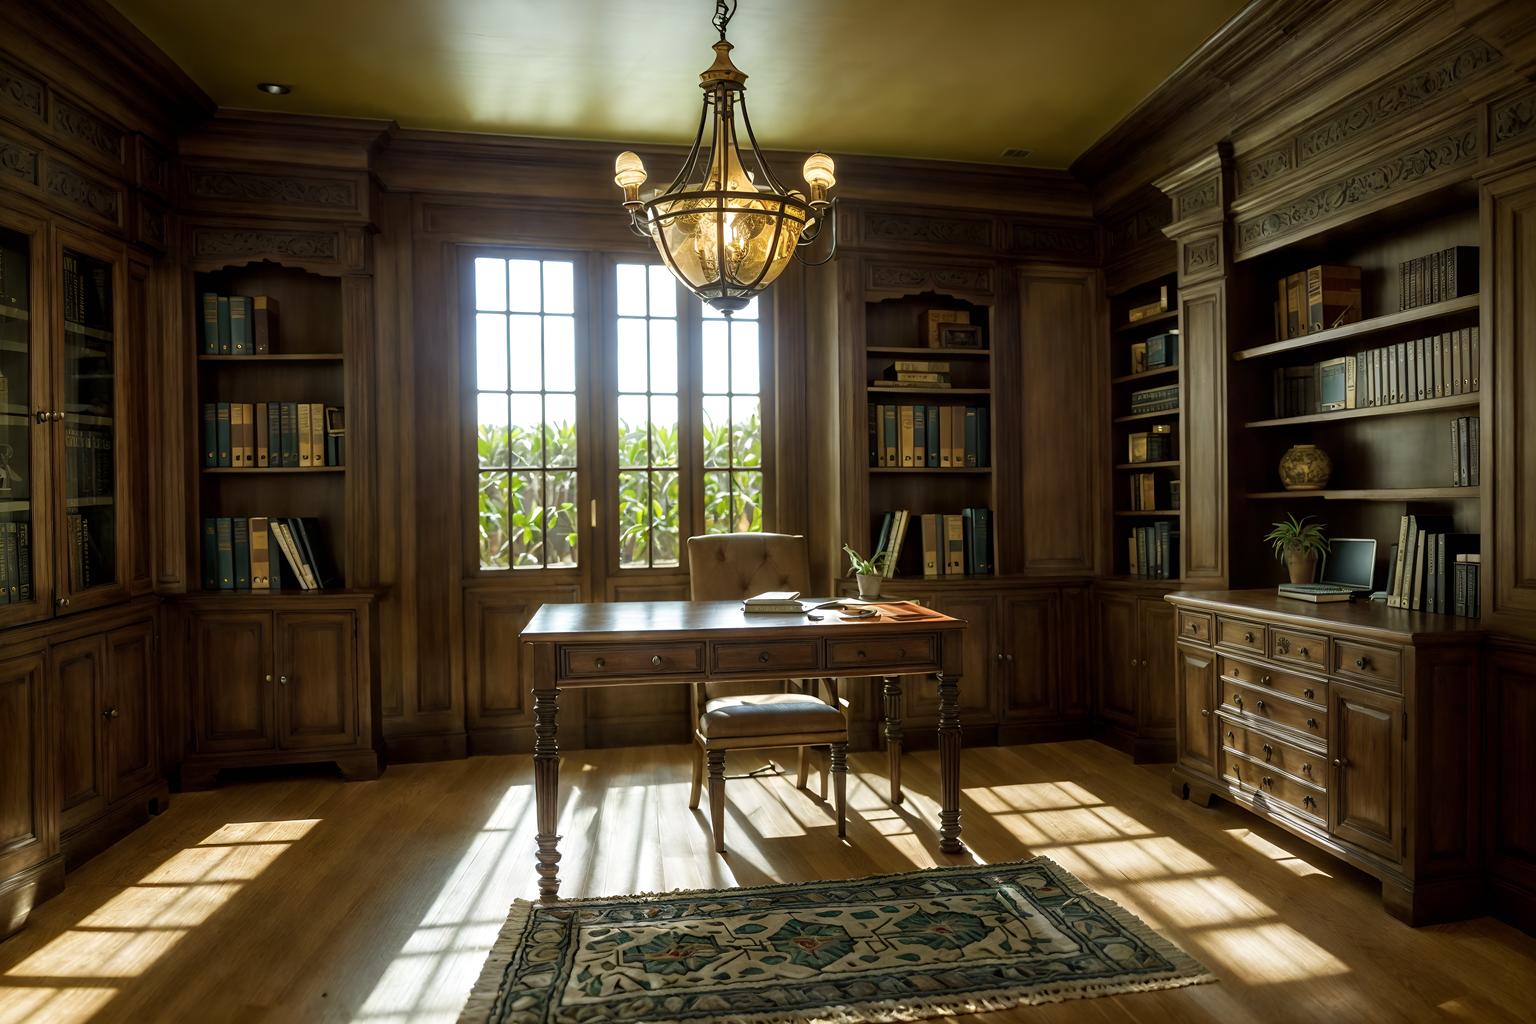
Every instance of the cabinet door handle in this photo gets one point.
(63, 602)
(1206, 713)
(109, 713)
(269, 677)
(41, 416)
(656, 661)
(56, 416)
(763, 657)
(1361, 662)
(999, 655)
(1248, 637)
(1307, 693)
(283, 680)
(1010, 658)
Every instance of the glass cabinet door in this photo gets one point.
(19, 582)
(89, 424)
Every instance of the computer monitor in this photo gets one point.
(1351, 562)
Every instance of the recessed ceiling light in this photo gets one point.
(274, 88)
(1014, 153)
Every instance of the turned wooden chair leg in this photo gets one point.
(698, 776)
(805, 767)
(717, 798)
(824, 758)
(838, 755)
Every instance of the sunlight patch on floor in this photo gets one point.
(1269, 954)
(1279, 855)
(37, 1005)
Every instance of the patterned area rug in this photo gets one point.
(886, 948)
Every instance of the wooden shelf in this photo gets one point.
(89, 419)
(1166, 414)
(913, 352)
(936, 471)
(1373, 494)
(1364, 328)
(15, 506)
(1161, 371)
(89, 502)
(1150, 580)
(260, 470)
(1400, 409)
(1165, 512)
(1165, 464)
(876, 389)
(1150, 321)
(284, 357)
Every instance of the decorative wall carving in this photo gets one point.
(1395, 99)
(930, 230)
(1407, 167)
(18, 161)
(246, 187)
(22, 91)
(914, 277)
(154, 168)
(1198, 197)
(1054, 239)
(151, 225)
(74, 122)
(1513, 118)
(73, 187)
(1201, 254)
(1138, 227)
(225, 243)
(1256, 170)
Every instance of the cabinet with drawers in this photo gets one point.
(1355, 726)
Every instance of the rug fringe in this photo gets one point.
(483, 997)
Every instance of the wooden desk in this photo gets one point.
(643, 642)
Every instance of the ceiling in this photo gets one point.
(954, 79)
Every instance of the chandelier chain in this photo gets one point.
(725, 10)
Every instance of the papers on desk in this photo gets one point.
(776, 602)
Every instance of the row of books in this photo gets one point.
(239, 325)
(15, 278)
(265, 553)
(932, 436)
(88, 462)
(87, 294)
(1156, 352)
(920, 373)
(1438, 366)
(1158, 399)
(15, 562)
(1447, 274)
(1153, 308)
(88, 559)
(1421, 577)
(1465, 451)
(1317, 299)
(1153, 492)
(1154, 445)
(952, 544)
(273, 435)
(1152, 550)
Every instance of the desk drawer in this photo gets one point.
(1272, 786)
(1275, 753)
(1239, 633)
(916, 651)
(1307, 650)
(1252, 703)
(788, 656)
(1314, 691)
(1379, 666)
(630, 661)
(1195, 626)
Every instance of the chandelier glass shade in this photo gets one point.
(725, 226)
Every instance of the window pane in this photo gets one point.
(744, 359)
(746, 433)
(664, 355)
(663, 292)
(649, 441)
(524, 433)
(633, 359)
(560, 517)
(747, 502)
(634, 428)
(664, 430)
(527, 358)
(665, 515)
(631, 280)
(495, 531)
(717, 502)
(634, 519)
(491, 438)
(559, 294)
(490, 284)
(717, 357)
(560, 430)
(527, 520)
(559, 353)
(491, 351)
(717, 431)
(524, 291)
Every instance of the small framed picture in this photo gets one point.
(959, 336)
(933, 319)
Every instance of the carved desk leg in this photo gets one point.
(949, 764)
(546, 769)
(893, 734)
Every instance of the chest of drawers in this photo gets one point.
(1355, 726)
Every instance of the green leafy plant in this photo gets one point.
(1297, 537)
(861, 566)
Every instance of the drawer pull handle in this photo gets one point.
(1362, 662)
(1309, 801)
(1341, 762)
(1264, 680)
(901, 652)
(1194, 627)
(1205, 712)
(1307, 693)
(1248, 637)
(860, 654)
(1302, 652)
(109, 713)
(656, 661)
(600, 662)
(1268, 781)
(1283, 644)
(1259, 704)
(1231, 737)
(763, 657)
(1307, 767)
(1311, 723)
(1237, 699)
(1269, 751)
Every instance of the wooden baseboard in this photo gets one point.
(1054, 731)
(500, 741)
(26, 889)
(128, 814)
(449, 746)
(1512, 904)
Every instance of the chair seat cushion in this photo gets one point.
(769, 714)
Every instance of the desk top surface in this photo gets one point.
(635, 620)
(1365, 618)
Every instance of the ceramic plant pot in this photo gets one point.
(869, 585)
(1302, 567)
(1305, 467)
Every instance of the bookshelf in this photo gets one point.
(305, 368)
(1145, 485)
(900, 417)
(1389, 458)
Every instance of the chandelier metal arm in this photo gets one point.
(693, 152)
(757, 153)
(830, 213)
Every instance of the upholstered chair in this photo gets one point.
(742, 716)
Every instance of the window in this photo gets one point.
(525, 382)
(649, 436)
(732, 422)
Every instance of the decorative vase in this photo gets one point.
(1305, 467)
(869, 584)
(1302, 567)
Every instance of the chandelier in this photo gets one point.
(726, 227)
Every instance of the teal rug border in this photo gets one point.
(486, 996)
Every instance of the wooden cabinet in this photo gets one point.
(78, 671)
(281, 679)
(1030, 656)
(30, 868)
(1510, 798)
(1365, 744)
(978, 697)
(131, 711)
(1119, 660)
(1195, 688)
(1133, 683)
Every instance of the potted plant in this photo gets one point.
(869, 571)
(1298, 544)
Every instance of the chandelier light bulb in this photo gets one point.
(629, 174)
(818, 174)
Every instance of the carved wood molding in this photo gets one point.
(921, 277)
(284, 189)
(1064, 241)
(1512, 119)
(18, 160)
(1257, 170)
(1126, 230)
(73, 123)
(150, 224)
(1404, 169)
(153, 167)
(1201, 256)
(87, 195)
(878, 227)
(22, 93)
(247, 245)
(1199, 197)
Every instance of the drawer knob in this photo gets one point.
(763, 657)
(1237, 699)
(1194, 628)
(1205, 712)
(656, 661)
(1309, 801)
(901, 652)
(283, 680)
(1307, 693)
(600, 662)
(1311, 723)
(1268, 781)
(1269, 751)
(1259, 704)
(1231, 737)
(1341, 762)
(1264, 680)
(1248, 637)
(860, 654)
(109, 713)
(1362, 662)
(269, 677)
(1302, 652)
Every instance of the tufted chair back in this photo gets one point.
(732, 566)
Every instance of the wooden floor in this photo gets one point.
(315, 900)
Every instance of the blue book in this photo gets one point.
(225, 339)
(241, 540)
(225, 539)
(240, 325)
(919, 435)
(210, 554)
(221, 412)
(892, 441)
(210, 324)
(210, 435)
